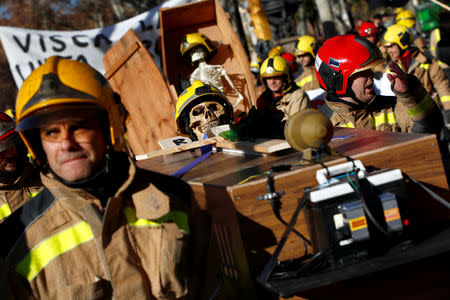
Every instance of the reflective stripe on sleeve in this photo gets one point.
(305, 80)
(445, 98)
(177, 217)
(424, 66)
(5, 211)
(421, 107)
(32, 194)
(348, 125)
(52, 247)
(383, 118)
(437, 31)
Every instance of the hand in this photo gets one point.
(398, 78)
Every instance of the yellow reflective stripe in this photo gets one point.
(421, 107)
(383, 118)
(305, 80)
(52, 247)
(32, 194)
(178, 217)
(441, 63)
(445, 98)
(438, 35)
(5, 211)
(348, 125)
(424, 66)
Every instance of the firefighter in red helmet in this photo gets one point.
(369, 31)
(19, 180)
(344, 66)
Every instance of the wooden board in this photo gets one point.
(266, 146)
(134, 75)
(184, 147)
(209, 18)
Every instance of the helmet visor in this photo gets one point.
(57, 114)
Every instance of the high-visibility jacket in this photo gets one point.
(413, 111)
(430, 75)
(14, 195)
(62, 244)
(289, 103)
(435, 38)
(308, 79)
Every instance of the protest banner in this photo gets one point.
(26, 49)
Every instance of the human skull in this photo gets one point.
(205, 115)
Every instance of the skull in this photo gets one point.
(205, 115)
(198, 53)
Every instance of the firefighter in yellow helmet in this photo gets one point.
(398, 43)
(19, 180)
(101, 228)
(200, 107)
(305, 49)
(407, 18)
(282, 94)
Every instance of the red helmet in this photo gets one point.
(367, 28)
(342, 56)
(291, 61)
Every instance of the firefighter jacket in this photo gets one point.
(430, 75)
(290, 102)
(435, 38)
(14, 195)
(413, 111)
(64, 245)
(308, 79)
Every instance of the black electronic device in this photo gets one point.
(354, 214)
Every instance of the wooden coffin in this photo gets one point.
(209, 18)
(222, 179)
(134, 75)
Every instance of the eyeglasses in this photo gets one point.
(78, 130)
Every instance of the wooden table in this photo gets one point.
(253, 229)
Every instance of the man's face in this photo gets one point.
(362, 85)
(8, 160)
(74, 147)
(305, 60)
(393, 50)
(275, 83)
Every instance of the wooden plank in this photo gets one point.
(259, 145)
(184, 147)
(135, 77)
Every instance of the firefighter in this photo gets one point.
(19, 180)
(344, 66)
(369, 31)
(398, 42)
(305, 49)
(407, 18)
(282, 94)
(102, 228)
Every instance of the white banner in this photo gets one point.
(26, 49)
